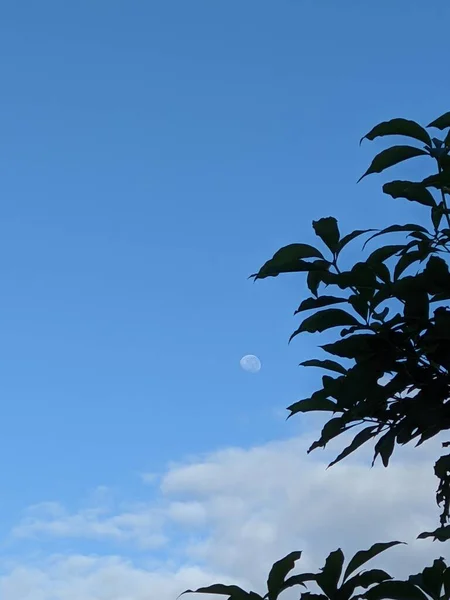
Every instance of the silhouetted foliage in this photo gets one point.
(390, 361)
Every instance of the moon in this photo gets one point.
(250, 363)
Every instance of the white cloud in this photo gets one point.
(141, 525)
(229, 516)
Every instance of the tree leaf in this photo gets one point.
(415, 192)
(403, 127)
(234, 592)
(392, 156)
(328, 231)
(360, 438)
(351, 236)
(441, 122)
(397, 229)
(331, 365)
(310, 596)
(289, 259)
(328, 579)
(325, 319)
(298, 580)
(351, 347)
(363, 556)
(364, 580)
(395, 590)
(368, 578)
(431, 579)
(406, 261)
(315, 403)
(383, 253)
(385, 447)
(278, 574)
(417, 307)
(441, 534)
(311, 303)
(330, 430)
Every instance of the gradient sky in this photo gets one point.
(152, 156)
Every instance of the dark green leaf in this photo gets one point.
(438, 180)
(315, 403)
(360, 438)
(328, 578)
(415, 192)
(311, 303)
(441, 534)
(402, 127)
(392, 156)
(310, 596)
(352, 347)
(331, 429)
(406, 261)
(278, 574)
(363, 556)
(437, 212)
(232, 591)
(437, 275)
(441, 122)
(328, 231)
(331, 365)
(364, 580)
(325, 319)
(313, 280)
(431, 579)
(298, 580)
(383, 253)
(417, 306)
(351, 236)
(368, 578)
(395, 590)
(384, 447)
(397, 229)
(289, 260)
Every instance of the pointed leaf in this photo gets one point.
(397, 229)
(351, 347)
(385, 447)
(351, 236)
(330, 430)
(311, 303)
(441, 534)
(395, 590)
(278, 574)
(360, 438)
(431, 579)
(325, 319)
(363, 556)
(364, 580)
(392, 156)
(403, 127)
(289, 259)
(406, 261)
(331, 365)
(368, 578)
(328, 579)
(298, 580)
(328, 231)
(415, 192)
(441, 122)
(383, 253)
(311, 405)
(232, 591)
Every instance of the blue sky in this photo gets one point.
(152, 156)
